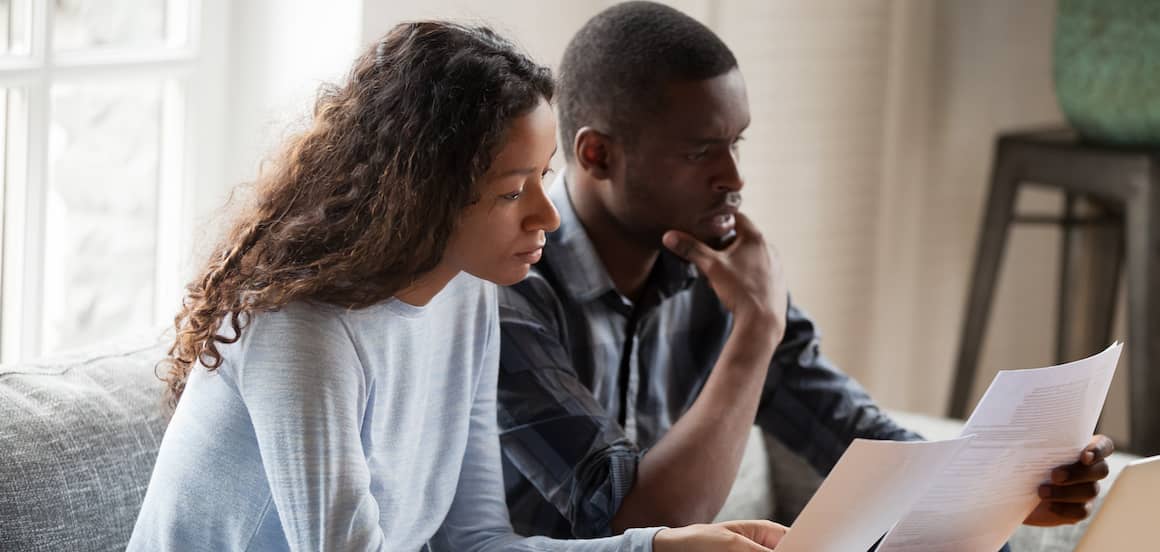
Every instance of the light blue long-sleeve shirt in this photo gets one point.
(335, 429)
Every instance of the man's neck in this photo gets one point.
(626, 258)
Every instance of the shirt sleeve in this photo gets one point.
(814, 408)
(478, 520)
(553, 431)
(305, 390)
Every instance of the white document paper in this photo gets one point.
(873, 485)
(1028, 422)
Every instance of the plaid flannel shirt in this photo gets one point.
(590, 381)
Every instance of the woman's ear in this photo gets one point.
(595, 153)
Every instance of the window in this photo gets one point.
(98, 156)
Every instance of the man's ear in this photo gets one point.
(595, 153)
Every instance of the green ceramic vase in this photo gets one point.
(1107, 69)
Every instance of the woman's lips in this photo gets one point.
(532, 256)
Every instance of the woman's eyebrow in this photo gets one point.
(523, 171)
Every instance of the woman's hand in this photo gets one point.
(730, 536)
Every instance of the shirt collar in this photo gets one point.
(571, 255)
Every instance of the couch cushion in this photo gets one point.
(79, 436)
(752, 495)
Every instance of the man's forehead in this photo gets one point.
(715, 108)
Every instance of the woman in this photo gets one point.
(336, 360)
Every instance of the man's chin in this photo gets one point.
(705, 234)
(700, 233)
(716, 236)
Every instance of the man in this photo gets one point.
(635, 357)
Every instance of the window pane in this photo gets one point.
(3, 137)
(14, 24)
(14, 141)
(115, 24)
(5, 21)
(101, 211)
(5, 133)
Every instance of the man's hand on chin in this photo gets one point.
(1068, 497)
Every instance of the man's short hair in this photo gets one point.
(614, 70)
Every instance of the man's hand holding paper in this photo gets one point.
(1068, 496)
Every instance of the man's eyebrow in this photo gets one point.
(709, 141)
(715, 140)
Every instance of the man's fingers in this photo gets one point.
(1069, 511)
(688, 248)
(1079, 494)
(1100, 447)
(1079, 473)
(745, 225)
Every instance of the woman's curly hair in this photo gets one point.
(363, 202)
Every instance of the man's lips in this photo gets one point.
(726, 211)
(728, 206)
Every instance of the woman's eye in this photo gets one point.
(546, 173)
(513, 195)
(697, 155)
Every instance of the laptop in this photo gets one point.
(1127, 520)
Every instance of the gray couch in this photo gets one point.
(79, 435)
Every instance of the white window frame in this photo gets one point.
(190, 151)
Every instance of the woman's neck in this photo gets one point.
(427, 286)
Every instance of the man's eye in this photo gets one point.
(697, 155)
(512, 196)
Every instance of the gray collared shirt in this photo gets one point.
(590, 381)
